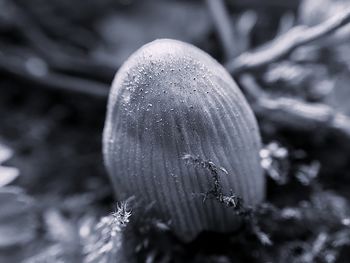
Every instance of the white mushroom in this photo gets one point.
(167, 100)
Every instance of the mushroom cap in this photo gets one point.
(167, 100)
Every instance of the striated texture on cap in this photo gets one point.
(167, 100)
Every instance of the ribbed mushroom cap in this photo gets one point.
(167, 100)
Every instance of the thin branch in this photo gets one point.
(58, 57)
(85, 68)
(82, 67)
(286, 44)
(247, 213)
(223, 26)
(54, 80)
(295, 114)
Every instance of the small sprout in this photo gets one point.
(122, 214)
(103, 242)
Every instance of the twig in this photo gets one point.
(54, 80)
(216, 190)
(286, 44)
(82, 67)
(294, 114)
(247, 213)
(223, 26)
(57, 56)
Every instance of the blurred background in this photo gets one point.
(57, 61)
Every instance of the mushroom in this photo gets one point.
(170, 99)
